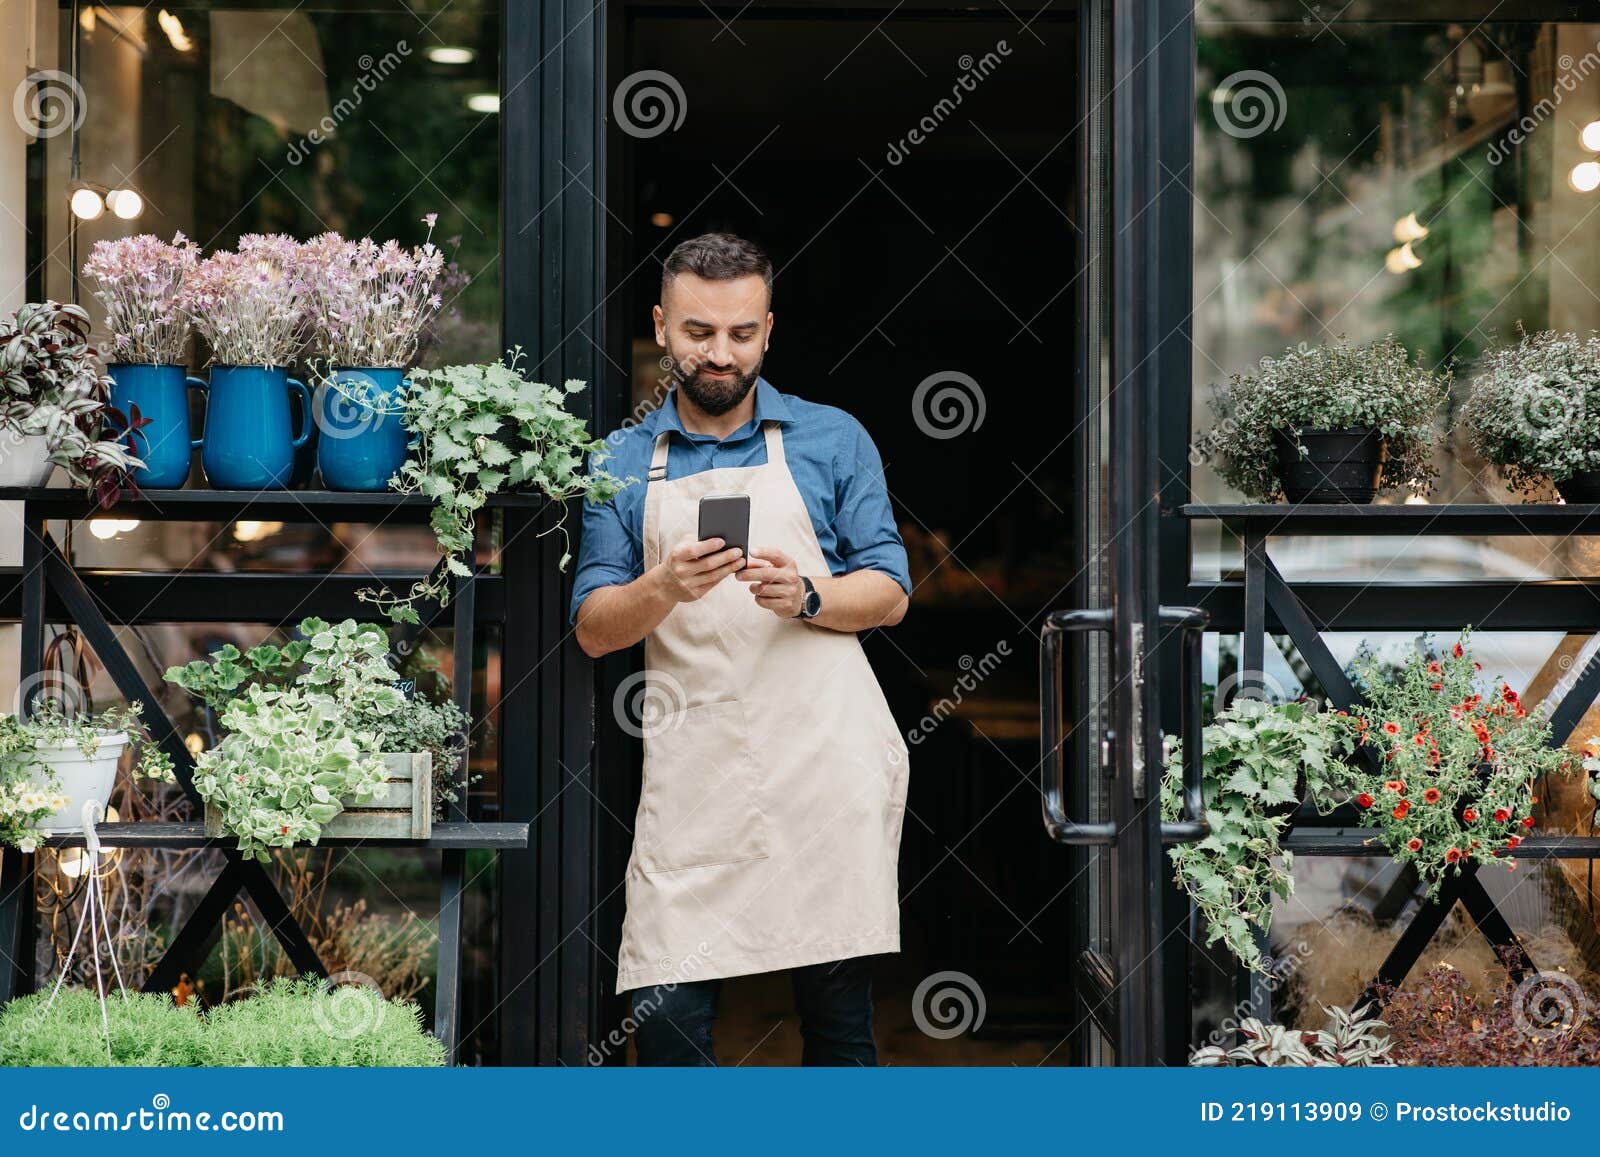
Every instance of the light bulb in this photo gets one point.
(104, 527)
(1590, 136)
(485, 102)
(1408, 228)
(1585, 177)
(1401, 260)
(451, 54)
(86, 204)
(125, 203)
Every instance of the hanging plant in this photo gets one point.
(480, 430)
(1457, 761)
(1260, 760)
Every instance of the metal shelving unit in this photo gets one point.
(48, 588)
(1269, 601)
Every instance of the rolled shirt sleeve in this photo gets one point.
(867, 536)
(609, 554)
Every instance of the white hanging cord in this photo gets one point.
(95, 917)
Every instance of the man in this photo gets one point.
(768, 831)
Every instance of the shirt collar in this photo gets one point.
(770, 406)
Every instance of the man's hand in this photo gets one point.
(775, 581)
(695, 566)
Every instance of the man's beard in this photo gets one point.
(717, 396)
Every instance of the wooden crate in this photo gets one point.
(402, 808)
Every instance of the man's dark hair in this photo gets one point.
(717, 257)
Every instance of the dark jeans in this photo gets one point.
(834, 1001)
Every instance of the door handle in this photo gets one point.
(1192, 621)
(1062, 828)
(1052, 764)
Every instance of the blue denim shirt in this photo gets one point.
(830, 455)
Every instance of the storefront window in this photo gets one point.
(1366, 175)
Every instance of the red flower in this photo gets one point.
(1341, 713)
(1501, 815)
(1528, 823)
(1469, 815)
(1392, 728)
(1457, 650)
(1414, 844)
(283, 828)
(1431, 795)
(1420, 740)
(1433, 667)
(1513, 841)
(1365, 800)
(1452, 855)
(1401, 809)
(1435, 686)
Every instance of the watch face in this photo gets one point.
(813, 603)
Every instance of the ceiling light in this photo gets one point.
(125, 203)
(86, 203)
(1408, 228)
(451, 54)
(1401, 260)
(1585, 177)
(484, 102)
(173, 27)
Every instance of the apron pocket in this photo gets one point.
(701, 802)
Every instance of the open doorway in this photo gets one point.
(911, 173)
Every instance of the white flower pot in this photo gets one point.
(79, 779)
(24, 459)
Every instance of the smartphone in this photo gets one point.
(726, 516)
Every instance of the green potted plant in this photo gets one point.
(1350, 1040)
(1260, 761)
(1328, 423)
(55, 405)
(320, 740)
(480, 430)
(1534, 411)
(51, 764)
(1455, 767)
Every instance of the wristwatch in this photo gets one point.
(810, 602)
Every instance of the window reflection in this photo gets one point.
(1366, 175)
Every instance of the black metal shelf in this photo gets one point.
(1478, 518)
(224, 505)
(1357, 842)
(186, 837)
(48, 588)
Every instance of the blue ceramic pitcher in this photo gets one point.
(248, 444)
(161, 394)
(361, 442)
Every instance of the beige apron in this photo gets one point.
(768, 832)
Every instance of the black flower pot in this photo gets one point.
(1581, 487)
(1335, 465)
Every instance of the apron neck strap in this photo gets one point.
(658, 458)
(774, 443)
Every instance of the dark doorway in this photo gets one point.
(926, 258)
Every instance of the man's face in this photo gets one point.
(717, 333)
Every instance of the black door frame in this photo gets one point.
(558, 768)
